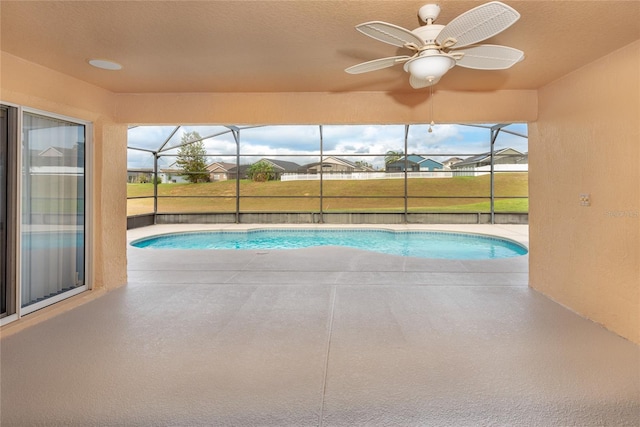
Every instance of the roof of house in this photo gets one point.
(284, 165)
(414, 158)
(57, 156)
(484, 157)
(221, 165)
(453, 160)
(338, 160)
(51, 152)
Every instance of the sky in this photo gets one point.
(301, 143)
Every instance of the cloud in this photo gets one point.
(290, 139)
(301, 144)
(139, 160)
(148, 137)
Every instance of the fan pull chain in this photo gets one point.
(431, 99)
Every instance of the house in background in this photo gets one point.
(137, 176)
(282, 166)
(238, 172)
(506, 159)
(334, 164)
(56, 161)
(415, 163)
(452, 161)
(505, 156)
(279, 167)
(171, 175)
(219, 171)
(165, 176)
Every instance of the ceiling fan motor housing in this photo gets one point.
(428, 33)
(429, 11)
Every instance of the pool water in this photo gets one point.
(424, 244)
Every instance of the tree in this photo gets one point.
(143, 178)
(392, 156)
(261, 171)
(192, 159)
(364, 164)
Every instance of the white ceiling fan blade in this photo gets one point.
(479, 24)
(489, 57)
(389, 33)
(417, 83)
(377, 64)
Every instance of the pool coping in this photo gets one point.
(517, 233)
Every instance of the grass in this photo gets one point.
(458, 194)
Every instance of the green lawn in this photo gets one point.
(458, 194)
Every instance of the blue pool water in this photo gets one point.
(424, 244)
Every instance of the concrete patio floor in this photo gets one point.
(319, 337)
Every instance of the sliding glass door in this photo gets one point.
(52, 210)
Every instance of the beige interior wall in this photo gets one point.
(29, 85)
(587, 141)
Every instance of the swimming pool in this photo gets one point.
(423, 244)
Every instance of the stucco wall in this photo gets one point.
(29, 85)
(587, 141)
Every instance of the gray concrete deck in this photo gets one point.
(319, 337)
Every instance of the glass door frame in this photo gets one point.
(14, 260)
(11, 220)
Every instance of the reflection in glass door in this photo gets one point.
(53, 210)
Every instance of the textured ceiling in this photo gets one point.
(292, 46)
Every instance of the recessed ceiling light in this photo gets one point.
(105, 65)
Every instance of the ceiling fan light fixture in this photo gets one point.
(437, 48)
(430, 67)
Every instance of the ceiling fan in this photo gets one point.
(437, 48)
